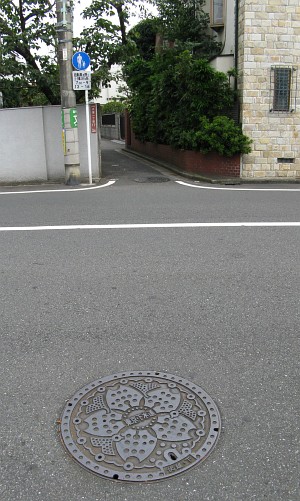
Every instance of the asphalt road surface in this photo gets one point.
(151, 271)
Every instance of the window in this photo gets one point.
(217, 12)
(283, 89)
(109, 119)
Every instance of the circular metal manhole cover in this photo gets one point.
(140, 426)
(152, 179)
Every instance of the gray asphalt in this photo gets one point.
(217, 306)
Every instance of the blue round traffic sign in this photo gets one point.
(81, 61)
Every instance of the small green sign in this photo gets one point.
(63, 119)
(73, 118)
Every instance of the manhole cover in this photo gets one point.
(140, 426)
(157, 179)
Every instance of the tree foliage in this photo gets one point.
(107, 40)
(177, 98)
(28, 75)
(28, 64)
(113, 107)
(187, 24)
(180, 100)
(144, 35)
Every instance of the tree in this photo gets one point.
(107, 40)
(177, 98)
(144, 36)
(29, 72)
(187, 24)
(28, 64)
(113, 107)
(28, 75)
(180, 100)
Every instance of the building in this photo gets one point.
(115, 89)
(261, 40)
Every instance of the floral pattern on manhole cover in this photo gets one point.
(153, 179)
(140, 426)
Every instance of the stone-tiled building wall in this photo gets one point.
(269, 35)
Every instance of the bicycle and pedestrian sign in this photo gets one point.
(82, 81)
(81, 61)
(81, 77)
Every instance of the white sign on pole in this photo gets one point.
(82, 80)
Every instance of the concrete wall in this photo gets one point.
(111, 131)
(22, 151)
(31, 145)
(269, 32)
(225, 35)
(53, 142)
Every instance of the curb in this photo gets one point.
(208, 179)
(52, 182)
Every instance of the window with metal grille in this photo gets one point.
(283, 89)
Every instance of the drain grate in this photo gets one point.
(140, 426)
(157, 179)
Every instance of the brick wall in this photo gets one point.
(191, 162)
(269, 35)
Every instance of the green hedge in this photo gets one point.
(180, 101)
(113, 107)
(219, 134)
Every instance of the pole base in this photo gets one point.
(72, 181)
(72, 175)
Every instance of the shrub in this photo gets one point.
(179, 100)
(113, 107)
(220, 134)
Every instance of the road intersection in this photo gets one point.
(140, 275)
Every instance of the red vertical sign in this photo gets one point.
(93, 114)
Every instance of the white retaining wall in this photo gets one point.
(31, 145)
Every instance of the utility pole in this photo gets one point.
(64, 29)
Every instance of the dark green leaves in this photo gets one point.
(28, 75)
(180, 101)
(186, 24)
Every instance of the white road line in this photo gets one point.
(234, 189)
(65, 190)
(279, 224)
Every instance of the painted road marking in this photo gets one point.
(279, 224)
(234, 189)
(66, 190)
(118, 141)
